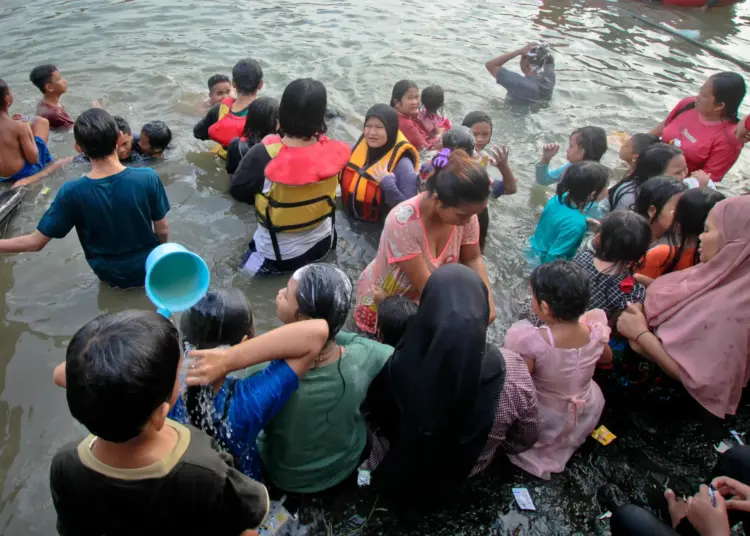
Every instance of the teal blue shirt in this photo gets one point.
(114, 219)
(559, 232)
(546, 176)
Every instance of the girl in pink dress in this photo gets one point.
(562, 357)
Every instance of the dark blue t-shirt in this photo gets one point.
(114, 219)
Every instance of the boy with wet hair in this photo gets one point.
(24, 156)
(140, 472)
(50, 82)
(394, 316)
(118, 213)
(154, 139)
(219, 87)
(226, 119)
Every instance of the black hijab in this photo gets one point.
(389, 117)
(435, 399)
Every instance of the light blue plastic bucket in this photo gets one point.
(176, 278)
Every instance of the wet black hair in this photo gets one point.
(459, 138)
(593, 141)
(119, 369)
(582, 183)
(41, 75)
(642, 141)
(159, 135)
(96, 133)
(217, 79)
(689, 221)
(221, 318)
(624, 237)
(461, 180)
(729, 88)
(400, 89)
(394, 316)
(433, 98)
(564, 286)
(4, 88)
(303, 108)
(656, 192)
(472, 118)
(652, 162)
(122, 125)
(325, 292)
(247, 76)
(262, 119)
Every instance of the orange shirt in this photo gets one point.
(660, 256)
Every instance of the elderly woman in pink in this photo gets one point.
(696, 323)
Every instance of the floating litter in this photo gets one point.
(603, 435)
(357, 520)
(275, 520)
(363, 477)
(605, 515)
(45, 190)
(523, 499)
(722, 447)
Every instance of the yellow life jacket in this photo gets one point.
(360, 194)
(303, 186)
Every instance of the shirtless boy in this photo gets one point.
(24, 157)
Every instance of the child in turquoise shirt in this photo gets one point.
(562, 225)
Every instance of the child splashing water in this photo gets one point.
(561, 357)
(562, 225)
(431, 114)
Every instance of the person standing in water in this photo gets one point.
(405, 100)
(537, 82)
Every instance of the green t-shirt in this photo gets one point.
(317, 438)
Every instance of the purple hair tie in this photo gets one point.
(441, 160)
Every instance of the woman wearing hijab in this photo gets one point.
(696, 324)
(433, 405)
(382, 169)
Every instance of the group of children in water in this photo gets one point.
(301, 422)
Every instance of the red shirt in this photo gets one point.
(708, 145)
(56, 115)
(414, 132)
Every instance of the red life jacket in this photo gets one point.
(229, 125)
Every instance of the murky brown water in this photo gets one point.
(150, 59)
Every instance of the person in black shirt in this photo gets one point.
(139, 472)
(262, 120)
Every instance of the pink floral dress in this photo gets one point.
(570, 401)
(404, 238)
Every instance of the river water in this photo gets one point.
(150, 59)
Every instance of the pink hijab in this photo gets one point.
(702, 314)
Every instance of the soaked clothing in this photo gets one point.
(239, 411)
(194, 490)
(659, 258)
(56, 115)
(609, 292)
(438, 426)
(237, 149)
(558, 234)
(45, 159)
(113, 217)
(570, 402)
(404, 238)
(537, 88)
(516, 425)
(415, 132)
(318, 437)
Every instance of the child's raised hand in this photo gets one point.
(499, 157)
(207, 366)
(549, 151)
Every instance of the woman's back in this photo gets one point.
(318, 437)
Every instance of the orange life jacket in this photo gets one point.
(229, 125)
(360, 194)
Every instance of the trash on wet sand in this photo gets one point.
(523, 499)
(605, 515)
(603, 435)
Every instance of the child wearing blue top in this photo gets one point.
(234, 410)
(585, 144)
(562, 225)
(119, 213)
